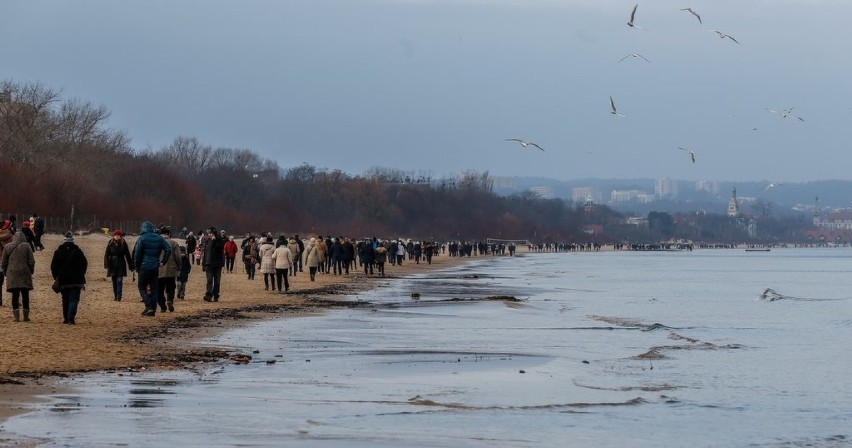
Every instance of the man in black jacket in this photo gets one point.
(212, 264)
(69, 267)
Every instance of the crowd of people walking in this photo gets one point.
(160, 265)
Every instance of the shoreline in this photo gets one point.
(111, 336)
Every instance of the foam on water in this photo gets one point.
(603, 349)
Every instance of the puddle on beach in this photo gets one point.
(571, 361)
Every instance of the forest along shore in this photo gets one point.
(112, 335)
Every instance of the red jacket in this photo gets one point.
(230, 249)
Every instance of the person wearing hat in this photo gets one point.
(267, 263)
(27, 230)
(151, 252)
(19, 265)
(117, 259)
(230, 249)
(68, 269)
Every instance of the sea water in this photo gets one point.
(642, 349)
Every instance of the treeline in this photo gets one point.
(58, 153)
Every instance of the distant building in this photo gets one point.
(665, 188)
(630, 196)
(582, 194)
(543, 192)
(637, 220)
(733, 206)
(840, 220)
(707, 186)
(505, 182)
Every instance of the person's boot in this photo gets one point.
(27, 315)
(171, 305)
(17, 314)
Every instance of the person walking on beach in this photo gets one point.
(400, 252)
(183, 275)
(168, 273)
(151, 252)
(313, 257)
(380, 255)
(19, 265)
(368, 256)
(348, 254)
(214, 261)
(322, 249)
(250, 256)
(282, 259)
(38, 231)
(199, 247)
(117, 259)
(27, 230)
(294, 249)
(337, 255)
(267, 264)
(230, 249)
(298, 257)
(191, 243)
(68, 267)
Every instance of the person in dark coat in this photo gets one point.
(214, 261)
(19, 265)
(27, 230)
(183, 276)
(38, 231)
(68, 268)
(368, 256)
(117, 259)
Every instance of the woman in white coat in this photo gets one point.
(283, 258)
(267, 264)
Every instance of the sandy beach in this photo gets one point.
(112, 335)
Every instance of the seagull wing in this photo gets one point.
(689, 10)
(692, 155)
(612, 104)
(536, 145)
(514, 140)
(643, 57)
(729, 37)
(625, 57)
(633, 15)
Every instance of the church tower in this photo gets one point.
(816, 212)
(733, 207)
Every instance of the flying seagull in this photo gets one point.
(524, 143)
(785, 113)
(723, 35)
(632, 16)
(772, 185)
(634, 55)
(614, 111)
(691, 153)
(689, 10)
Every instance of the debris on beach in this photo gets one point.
(240, 359)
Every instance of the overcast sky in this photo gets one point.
(438, 85)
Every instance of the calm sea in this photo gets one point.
(641, 349)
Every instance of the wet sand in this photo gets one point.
(112, 335)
